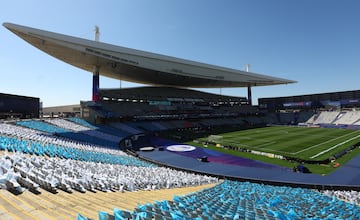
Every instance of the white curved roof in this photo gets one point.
(138, 66)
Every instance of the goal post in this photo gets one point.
(215, 138)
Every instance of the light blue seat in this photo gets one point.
(122, 214)
(81, 217)
(105, 216)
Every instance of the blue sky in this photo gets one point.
(315, 42)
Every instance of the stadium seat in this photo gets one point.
(81, 217)
(105, 216)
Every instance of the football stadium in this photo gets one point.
(167, 151)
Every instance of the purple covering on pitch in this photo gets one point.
(215, 156)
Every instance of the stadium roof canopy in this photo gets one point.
(138, 66)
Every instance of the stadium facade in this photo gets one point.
(333, 100)
(61, 111)
(161, 103)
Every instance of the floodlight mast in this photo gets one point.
(247, 67)
(97, 33)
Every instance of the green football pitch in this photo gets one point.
(297, 142)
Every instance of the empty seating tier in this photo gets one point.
(244, 200)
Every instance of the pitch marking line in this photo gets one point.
(237, 144)
(251, 147)
(314, 146)
(335, 146)
(273, 150)
(265, 144)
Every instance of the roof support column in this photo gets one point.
(249, 94)
(249, 86)
(96, 82)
